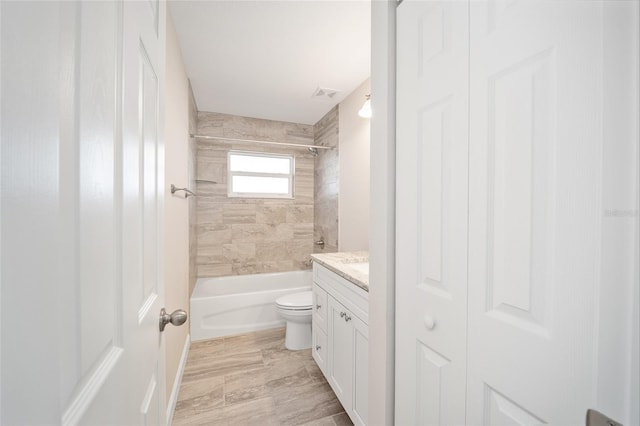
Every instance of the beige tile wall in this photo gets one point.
(193, 234)
(326, 183)
(237, 236)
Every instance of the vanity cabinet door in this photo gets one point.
(319, 348)
(320, 307)
(360, 372)
(341, 352)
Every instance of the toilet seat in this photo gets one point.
(302, 301)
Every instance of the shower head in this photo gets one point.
(313, 151)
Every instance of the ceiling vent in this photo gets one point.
(324, 93)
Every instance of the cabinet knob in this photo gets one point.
(342, 314)
(318, 347)
(318, 306)
(347, 318)
(429, 322)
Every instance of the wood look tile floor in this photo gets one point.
(252, 379)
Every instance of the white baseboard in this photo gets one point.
(173, 399)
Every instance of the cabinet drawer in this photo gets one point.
(319, 348)
(350, 295)
(320, 307)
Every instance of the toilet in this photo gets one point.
(296, 310)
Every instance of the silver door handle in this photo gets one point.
(177, 317)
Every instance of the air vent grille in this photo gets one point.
(324, 93)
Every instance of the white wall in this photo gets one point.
(176, 208)
(353, 194)
(382, 234)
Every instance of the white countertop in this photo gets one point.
(352, 266)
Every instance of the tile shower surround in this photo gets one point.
(193, 232)
(326, 183)
(237, 236)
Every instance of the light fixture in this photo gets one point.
(365, 111)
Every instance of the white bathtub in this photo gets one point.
(240, 304)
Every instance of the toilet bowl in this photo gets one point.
(296, 310)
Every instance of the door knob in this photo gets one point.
(177, 317)
(429, 322)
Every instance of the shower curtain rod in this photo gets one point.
(299, 145)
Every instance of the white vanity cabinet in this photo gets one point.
(341, 322)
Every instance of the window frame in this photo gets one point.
(231, 174)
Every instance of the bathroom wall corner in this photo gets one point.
(176, 209)
(326, 183)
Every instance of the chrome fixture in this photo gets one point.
(346, 317)
(177, 317)
(187, 193)
(365, 111)
(313, 151)
(320, 242)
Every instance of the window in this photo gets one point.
(260, 175)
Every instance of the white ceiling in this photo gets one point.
(265, 59)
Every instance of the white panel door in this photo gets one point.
(81, 197)
(431, 211)
(143, 163)
(536, 130)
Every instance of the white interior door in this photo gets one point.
(81, 203)
(549, 323)
(431, 211)
(142, 198)
(535, 235)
